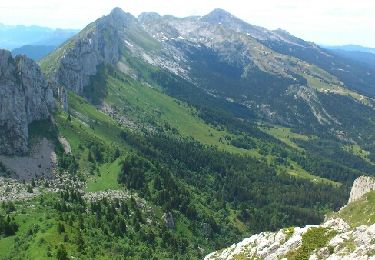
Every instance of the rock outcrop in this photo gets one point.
(25, 96)
(63, 97)
(361, 186)
(169, 220)
(342, 240)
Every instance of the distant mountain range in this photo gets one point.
(350, 48)
(35, 52)
(33, 41)
(15, 36)
(363, 56)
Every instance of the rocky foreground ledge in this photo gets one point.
(334, 239)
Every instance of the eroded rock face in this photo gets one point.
(361, 186)
(100, 45)
(25, 96)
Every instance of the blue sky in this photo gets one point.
(330, 22)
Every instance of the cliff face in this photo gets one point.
(25, 96)
(361, 186)
(99, 43)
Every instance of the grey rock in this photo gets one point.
(63, 97)
(25, 96)
(168, 220)
(361, 186)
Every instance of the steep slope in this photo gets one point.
(347, 234)
(25, 97)
(98, 43)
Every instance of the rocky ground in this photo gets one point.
(16, 190)
(65, 144)
(40, 163)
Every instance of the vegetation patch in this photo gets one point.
(285, 135)
(360, 212)
(314, 238)
(288, 232)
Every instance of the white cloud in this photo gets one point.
(323, 21)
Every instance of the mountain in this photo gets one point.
(35, 52)
(350, 48)
(175, 137)
(360, 57)
(15, 36)
(347, 234)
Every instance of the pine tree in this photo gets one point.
(61, 253)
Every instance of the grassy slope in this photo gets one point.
(285, 135)
(360, 212)
(38, 236)
(323, 85)
(38, 231)
(157, 107)
(358, 151)
(148, 106)
(90, 125)
(107, 178)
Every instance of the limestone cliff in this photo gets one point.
(25, 96)
(361, 186)
(98, 43)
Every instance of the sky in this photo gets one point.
(330, 22)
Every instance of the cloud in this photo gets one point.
(330, 22)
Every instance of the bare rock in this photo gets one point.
(169, 220)
(361, 186)
(25, 96)
(99, 45)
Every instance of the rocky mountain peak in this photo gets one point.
(118, 13)
(99, 44)
(148, 16)
(219, 15)
(117, 19)
(25, 96)
(231, 22)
